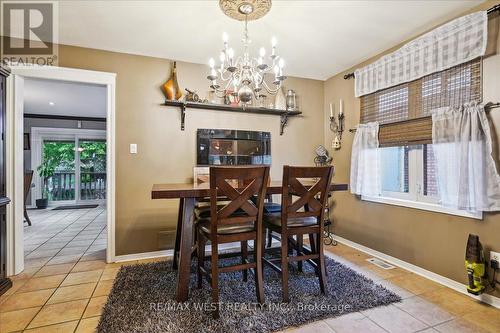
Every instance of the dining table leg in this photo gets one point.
(186, 242)
(177, 245)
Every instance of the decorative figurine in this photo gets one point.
(192, 96)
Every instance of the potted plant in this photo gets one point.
(45, 171)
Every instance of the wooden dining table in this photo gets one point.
(187, 194)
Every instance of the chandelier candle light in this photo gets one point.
(245, 76)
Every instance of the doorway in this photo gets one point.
(83, 175)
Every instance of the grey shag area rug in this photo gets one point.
(142, 300)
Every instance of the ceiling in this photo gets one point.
(317, 39)
(68, 98)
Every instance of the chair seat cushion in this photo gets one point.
(272, 207)
(275, 219)
(225, 229)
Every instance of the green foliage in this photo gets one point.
(59, 156)
(56, 155)
(93, 156)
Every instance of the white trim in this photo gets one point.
(432, 207)
(64, 74)
(111, 165)
(13, 162)
(144, 255)
(457, 286)
(15, 153)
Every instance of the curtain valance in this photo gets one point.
(449, 45)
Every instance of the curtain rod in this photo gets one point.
(489, 11)
(487, 107)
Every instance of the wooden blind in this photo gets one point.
(404, 110)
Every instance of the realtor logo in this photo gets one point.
(29, 32)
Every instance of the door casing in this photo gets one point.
(15, 152)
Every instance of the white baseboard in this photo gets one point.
(144, 255)
(457, 286)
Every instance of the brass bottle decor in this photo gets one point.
(171, 87)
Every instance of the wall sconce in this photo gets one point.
(337, 125)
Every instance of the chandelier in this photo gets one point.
(244, 77)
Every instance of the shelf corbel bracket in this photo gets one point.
(183, 115)
(283, 122)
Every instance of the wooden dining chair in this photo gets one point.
(239, 220)
(299, 217)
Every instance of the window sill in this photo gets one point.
(423, 206)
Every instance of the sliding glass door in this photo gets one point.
(69, 165)
(58, 170)
(92, 162)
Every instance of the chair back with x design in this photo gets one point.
(239, 185)
(305, 192)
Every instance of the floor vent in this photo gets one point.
(380, 263)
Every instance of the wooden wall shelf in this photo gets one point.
(220, 107)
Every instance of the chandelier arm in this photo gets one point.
(270, 90)
(246, 72)
(223, 91)
(224, 78)
(227, 85)
(238, 62)
(219, 94)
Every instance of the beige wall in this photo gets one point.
(165, 153)
(430, 240)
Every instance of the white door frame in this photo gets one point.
(14, 152)
(38, 134)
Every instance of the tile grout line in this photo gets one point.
(53, 235)
(85, 309)
(60, 284)
(69, 225)
(428, 326)
(39, 268)
(52, 257)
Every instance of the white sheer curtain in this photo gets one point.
(466, 172)
(365, 161)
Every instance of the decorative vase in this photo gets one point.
(171, 87)
(280, 100)
(291, 103)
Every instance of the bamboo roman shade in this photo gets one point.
(403, 111)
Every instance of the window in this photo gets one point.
(394, 168)
(408, 169)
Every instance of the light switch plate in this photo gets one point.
(133, 148)
(495, 256)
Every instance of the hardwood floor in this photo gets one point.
(68, 297)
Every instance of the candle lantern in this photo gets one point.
(337, 124)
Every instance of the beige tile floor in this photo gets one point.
(68, 297)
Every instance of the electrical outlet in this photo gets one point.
(495, 256)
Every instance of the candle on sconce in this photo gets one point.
(331, 110)
(341, 108)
